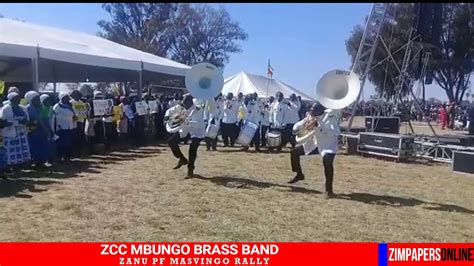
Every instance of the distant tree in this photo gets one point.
(452, 63)
(142, 26)
(181, 32)
(204, 34)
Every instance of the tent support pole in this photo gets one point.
(140, 83)
(35, 70)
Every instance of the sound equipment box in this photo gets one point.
(382, 124)
(463, 162)
(387, 145)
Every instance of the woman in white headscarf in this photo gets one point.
(64, 125)
(38, 133)
(15, 137)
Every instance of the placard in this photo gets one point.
(80, 109)
(128, 111)
(103, 107)
(153, 105)
(142, 108)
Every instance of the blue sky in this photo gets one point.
(303, 41)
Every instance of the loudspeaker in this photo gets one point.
(382, 124)
(462, 162)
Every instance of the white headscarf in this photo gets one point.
(13, 89)
(97, 94)
(12, 95)
(43, 97)
(62, 95)
(29, 96)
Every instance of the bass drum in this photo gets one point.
(247, 133)
(274, 139)
(212, 131)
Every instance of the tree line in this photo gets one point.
(185, 33)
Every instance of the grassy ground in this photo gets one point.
(134, 195)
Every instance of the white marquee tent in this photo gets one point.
(263, 86)
(66, 56)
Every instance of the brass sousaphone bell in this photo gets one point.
(335, 90)
(203, 81)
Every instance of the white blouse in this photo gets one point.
(64, 118)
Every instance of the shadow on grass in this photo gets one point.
(237, 182)
(393, 201)
(384, 200)
(22, 182)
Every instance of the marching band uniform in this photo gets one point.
(291, 119)
(265, 113)
(229, 125)
(252, 114)
(324, 142)
(213, 115)
(278, 121)
(195, 127)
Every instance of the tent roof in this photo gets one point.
(22, 40)
(249, 83)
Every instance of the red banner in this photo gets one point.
(182, 253)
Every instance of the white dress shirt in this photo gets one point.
(279, 112)
(252, 113)
(293, 116)
(231, 111)
(195, 125)
(326, 134)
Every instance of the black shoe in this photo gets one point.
(329, 195)
(208, 149)
(297, 178)
(181, 163)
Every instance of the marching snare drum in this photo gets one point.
(212, 131)
(274, 139)
(247, 133)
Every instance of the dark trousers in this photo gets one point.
(229, 132)
(263, 135)
(64, 144)
(256, 140)
(471, 127)
(328, 160)
(211, 143)
(79, 139)
(173, 142)
(288, 136)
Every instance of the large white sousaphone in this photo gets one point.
(204, 81)
(335, 90)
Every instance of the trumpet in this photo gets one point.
(307, 130)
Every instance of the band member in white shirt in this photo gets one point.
(265, 124)
(278, 120)
(324, 142)
(195, 127)
(213, 114)
(229, 126)
(292, 118)
(253, 115)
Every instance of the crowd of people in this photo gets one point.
(40, 129)
(448, 115)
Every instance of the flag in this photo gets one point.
(269, 69)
